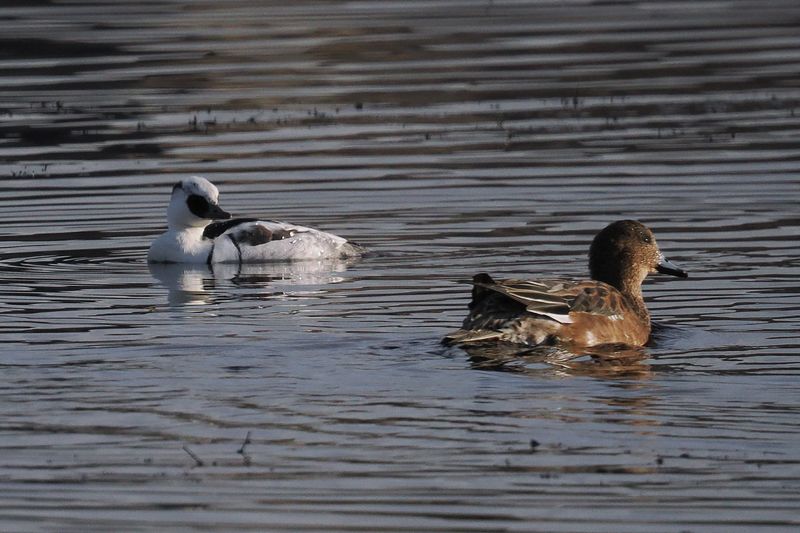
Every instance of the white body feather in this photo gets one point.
(192, 208)
(302, 244)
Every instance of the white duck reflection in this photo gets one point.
(190, 284)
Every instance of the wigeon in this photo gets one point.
(608, 309)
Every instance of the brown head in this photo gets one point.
(624, 253)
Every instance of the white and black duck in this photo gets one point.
(200, 231)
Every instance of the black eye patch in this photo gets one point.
(198, 206)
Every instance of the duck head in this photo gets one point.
(624, 253)
(194, 203)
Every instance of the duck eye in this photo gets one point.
(197, 205)
(646, 239)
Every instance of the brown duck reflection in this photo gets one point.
(604, 361)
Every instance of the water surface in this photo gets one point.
(449, 138)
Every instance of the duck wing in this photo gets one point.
(251, 231)
(544, 297)
(554, 299)
(598, 298)
(262, 241)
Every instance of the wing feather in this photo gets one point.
(215, 229)
(536, 296)
(555, 299)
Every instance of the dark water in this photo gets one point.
(450, 138)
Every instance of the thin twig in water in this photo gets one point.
(244, 444)
(241, 451)
(193, 455)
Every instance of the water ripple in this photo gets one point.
(449, 138)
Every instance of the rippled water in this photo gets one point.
(449, 138)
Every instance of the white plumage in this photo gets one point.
(192, 236)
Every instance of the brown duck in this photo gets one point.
(608, 309)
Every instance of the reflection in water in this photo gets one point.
(607, 361)
(190, 284)
(187, 284)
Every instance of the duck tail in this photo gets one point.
(480, 284)
(463, 336)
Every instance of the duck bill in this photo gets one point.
(215, 212)
(667, 267)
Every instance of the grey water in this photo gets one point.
(449, 138)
